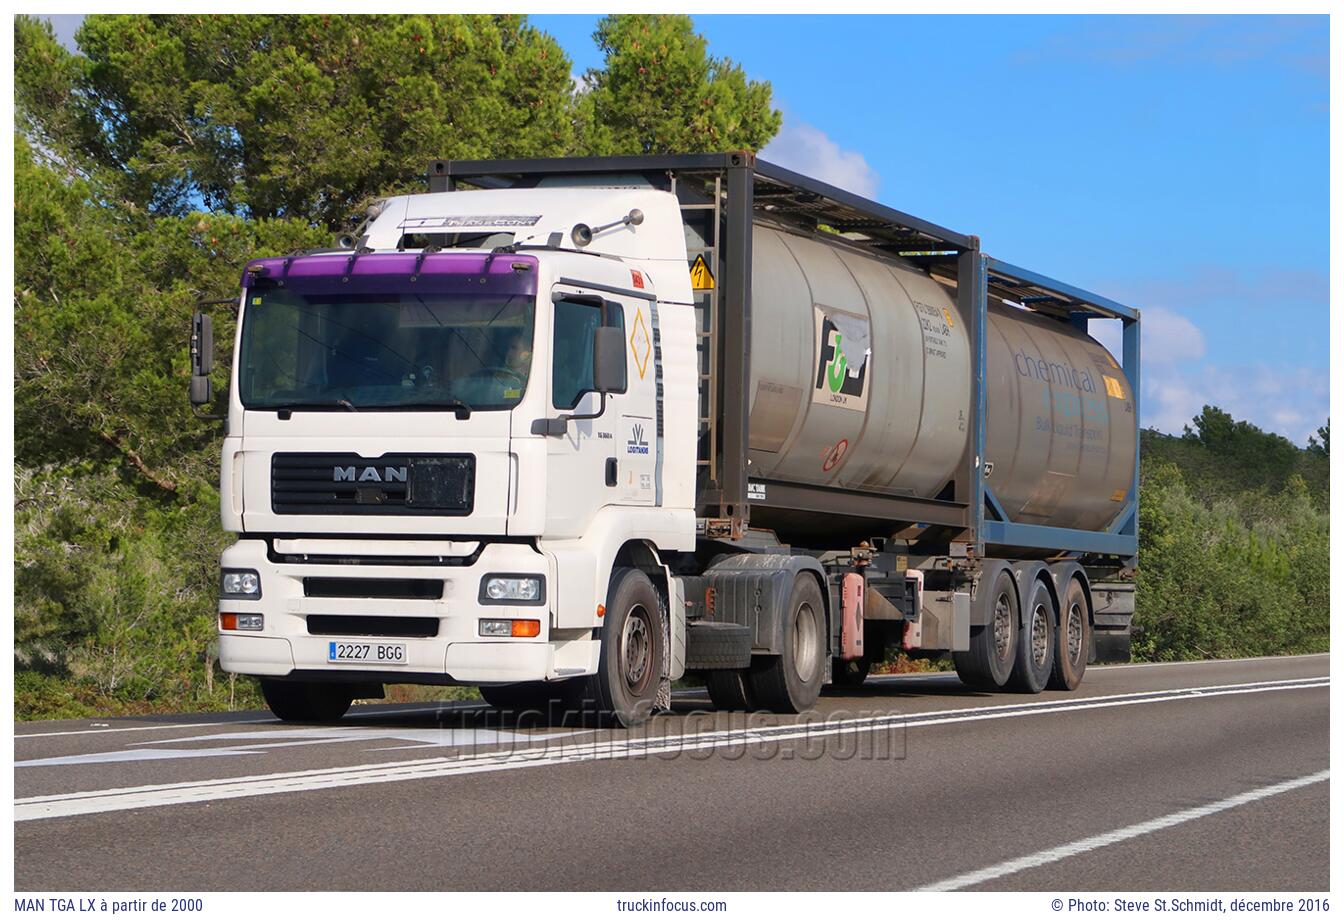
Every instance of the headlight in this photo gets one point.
(513, 589)
(239, 583)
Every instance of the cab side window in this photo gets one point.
(572, 353)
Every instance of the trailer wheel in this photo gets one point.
(791, 682)
(1036, 644)
(630, 667)
(729, 690)
(988, 663)
(850, 673)
(300, 701)
(1073, 638)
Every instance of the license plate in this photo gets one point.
(370, 653)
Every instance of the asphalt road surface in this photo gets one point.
(1182, 777)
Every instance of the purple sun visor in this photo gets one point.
(397, 272)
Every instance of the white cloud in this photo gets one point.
(1168, 337)
(1292, 402)
(1178, 383)
(809, 150)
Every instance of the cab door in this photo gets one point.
(581, 461)
(638, 435)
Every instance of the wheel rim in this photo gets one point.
(1003, 627)
(1040, 635)
(804, 643)
(1075, 636)
(637, 649)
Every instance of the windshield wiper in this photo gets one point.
(348, 404)
(460, 409)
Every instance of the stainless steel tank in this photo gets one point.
(860, 379)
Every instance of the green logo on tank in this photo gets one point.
(836, 367)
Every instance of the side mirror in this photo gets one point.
(202, 358)
(609, 360)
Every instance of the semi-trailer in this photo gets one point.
(571, 429)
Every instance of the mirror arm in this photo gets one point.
(557, 427)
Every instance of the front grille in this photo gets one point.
(443, 484)
(398, 588)
(327, 624)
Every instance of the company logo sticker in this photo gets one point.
(843, 349)
(637, 444)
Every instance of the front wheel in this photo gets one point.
(301, 701)
(630, 668)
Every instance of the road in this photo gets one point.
(1180, 777)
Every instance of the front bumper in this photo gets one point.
(457, 653)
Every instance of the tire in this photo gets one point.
(988, 663)
(630, 668)
(729, 690)
(1073, 639)
(533, 696)
(298, 701)
(791, 682)
(850, 673)
(1036, 642)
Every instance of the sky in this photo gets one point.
(1178, 164)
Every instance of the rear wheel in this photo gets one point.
(729, 690)
(791, 682)
(302, 701)
(850, 673)
(630, 668)
(1072, 639)
(1036, 644)
(988, 663)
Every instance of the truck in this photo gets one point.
(570, 430)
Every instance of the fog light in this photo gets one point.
(512, 589)
(495, 628)
(239, 583)
(231, 621)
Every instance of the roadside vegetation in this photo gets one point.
(153, 163)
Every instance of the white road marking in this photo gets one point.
(1170, 664)
(458, 705)
(446, 705)
(96, 801)
(1055, 854)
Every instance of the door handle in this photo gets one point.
(611, 471)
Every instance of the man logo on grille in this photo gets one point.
(368, 474)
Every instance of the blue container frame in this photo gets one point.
(1121, 538)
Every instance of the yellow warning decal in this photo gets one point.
(640, 344)
(1113, 387)
(947, 315)
(701, 277)
(1118, 495)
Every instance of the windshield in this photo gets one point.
(384, 351)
